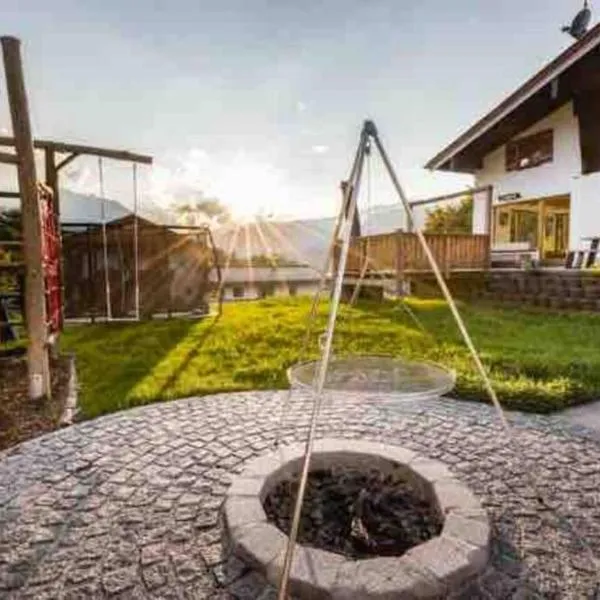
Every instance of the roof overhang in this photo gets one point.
(547, 90)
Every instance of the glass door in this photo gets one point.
(524, 227)
(561, 244)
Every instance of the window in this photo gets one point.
(267, 289)
(524, 227)
(530, 151)
(238, 291)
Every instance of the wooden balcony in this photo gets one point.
(400, 254)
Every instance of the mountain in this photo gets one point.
(306, 240)
(79, 208)
(303, 241)
(87, 208)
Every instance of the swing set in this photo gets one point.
(38, 288)
(130, 268)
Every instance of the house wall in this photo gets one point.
(481, 212)
(562, 176)
(585, 209)
(550, 179)
(282, 289)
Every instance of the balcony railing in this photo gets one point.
(400, 253)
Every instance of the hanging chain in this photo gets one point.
(365, 265)
(136, 242)
(312, 316)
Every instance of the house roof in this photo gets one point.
(540, 83)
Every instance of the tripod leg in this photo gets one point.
(441, 282)
(322, 372)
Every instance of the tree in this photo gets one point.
(452, 218)
(201, 210)
(272, 261)
(10, 231)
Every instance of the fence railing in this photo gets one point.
(401, 253)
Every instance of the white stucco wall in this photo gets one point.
(585, 210)
(561, 176)
(481, 212)
(549, 179)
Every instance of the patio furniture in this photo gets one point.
(514, 254)
(583, 259)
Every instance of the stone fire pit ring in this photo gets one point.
(430, 570)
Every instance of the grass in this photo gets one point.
(539, 362)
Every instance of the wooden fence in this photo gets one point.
(401, 253)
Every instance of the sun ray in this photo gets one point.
(248, 254)
(228, 256)
(286, 243)
(265, 244)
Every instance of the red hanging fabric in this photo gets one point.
(50, 259)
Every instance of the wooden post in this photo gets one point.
(540, 232)
(35, 301)
(398, 263)
(90, 292)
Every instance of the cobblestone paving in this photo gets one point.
(128, 506)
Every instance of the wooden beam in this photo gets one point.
(65, 148)
(488, 211)
(35, 300)
(65, 161)
(453, 196)
(8, 158)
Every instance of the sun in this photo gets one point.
(249, 188)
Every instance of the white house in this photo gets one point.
(251, 283)
(536, 158)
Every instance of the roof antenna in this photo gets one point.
(580, 24)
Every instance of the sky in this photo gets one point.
(260, 102)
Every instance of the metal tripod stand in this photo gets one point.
(369, 138)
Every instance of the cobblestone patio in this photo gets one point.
(128, 506)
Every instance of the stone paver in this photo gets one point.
(130, 505)
(587, 415)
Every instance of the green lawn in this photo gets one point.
(539, 361)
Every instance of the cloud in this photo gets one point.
(320, 149)
(81, 179)
(301, 106)
(243, 183)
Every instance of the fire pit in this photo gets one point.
(378, 521)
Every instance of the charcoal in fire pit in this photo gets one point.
(355, 513)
